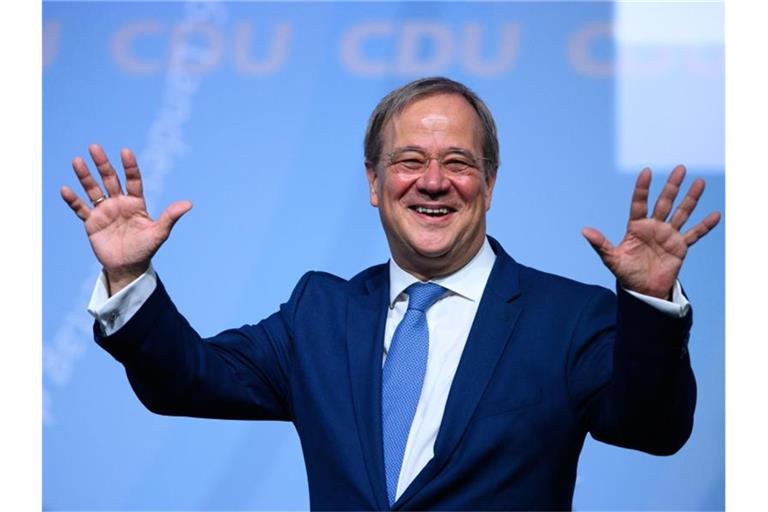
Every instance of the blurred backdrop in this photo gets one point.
(256, 113)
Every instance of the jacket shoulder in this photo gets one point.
(537, 282)
(316, 280)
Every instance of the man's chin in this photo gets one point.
(435, 258)
(432, 251)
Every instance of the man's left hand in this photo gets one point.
(649, 258)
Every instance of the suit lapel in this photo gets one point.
(491, 329)
(364, 348)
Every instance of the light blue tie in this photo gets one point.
(403, 376)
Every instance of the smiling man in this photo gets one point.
(434, 187)
(451, 377)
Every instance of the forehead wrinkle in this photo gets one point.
(435, 122)
(436, 129)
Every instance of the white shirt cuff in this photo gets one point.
(677, 307)
(114, 312)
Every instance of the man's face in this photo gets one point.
(435, 220)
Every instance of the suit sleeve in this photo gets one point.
(630, 375)
(238, 374)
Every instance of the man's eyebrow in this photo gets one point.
(461, 151)
(403, 149)
(419, 149)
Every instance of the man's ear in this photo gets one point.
(373, 183)
(490, 182)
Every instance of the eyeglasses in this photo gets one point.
(416, 162)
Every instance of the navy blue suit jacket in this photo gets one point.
(547, 361)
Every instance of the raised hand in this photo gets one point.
(122, 235)
(649, 258)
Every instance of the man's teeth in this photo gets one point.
(432, 211)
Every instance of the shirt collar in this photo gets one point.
(469, 281)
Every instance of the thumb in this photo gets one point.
(597, 240)
(172, 214)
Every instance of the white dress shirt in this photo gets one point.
(449, 321)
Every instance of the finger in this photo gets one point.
(639, 206)
(598, 241)
(91, 188)
(669, 192)
(702, 228)
(78, 205)
(133, 183)
(172, 214)
(688, 204)
(108, 174)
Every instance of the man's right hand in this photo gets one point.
(122, 235)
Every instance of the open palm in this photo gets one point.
(122, 235)
(649, 258)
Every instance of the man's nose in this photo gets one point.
(434, 179)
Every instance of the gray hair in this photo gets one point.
(394, 103)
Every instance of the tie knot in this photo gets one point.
(421, 296)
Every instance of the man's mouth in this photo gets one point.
(434, 211)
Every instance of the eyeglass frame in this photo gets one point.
(472, 162)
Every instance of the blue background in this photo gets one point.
(256, 113)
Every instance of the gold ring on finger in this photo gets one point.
(98, 200)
